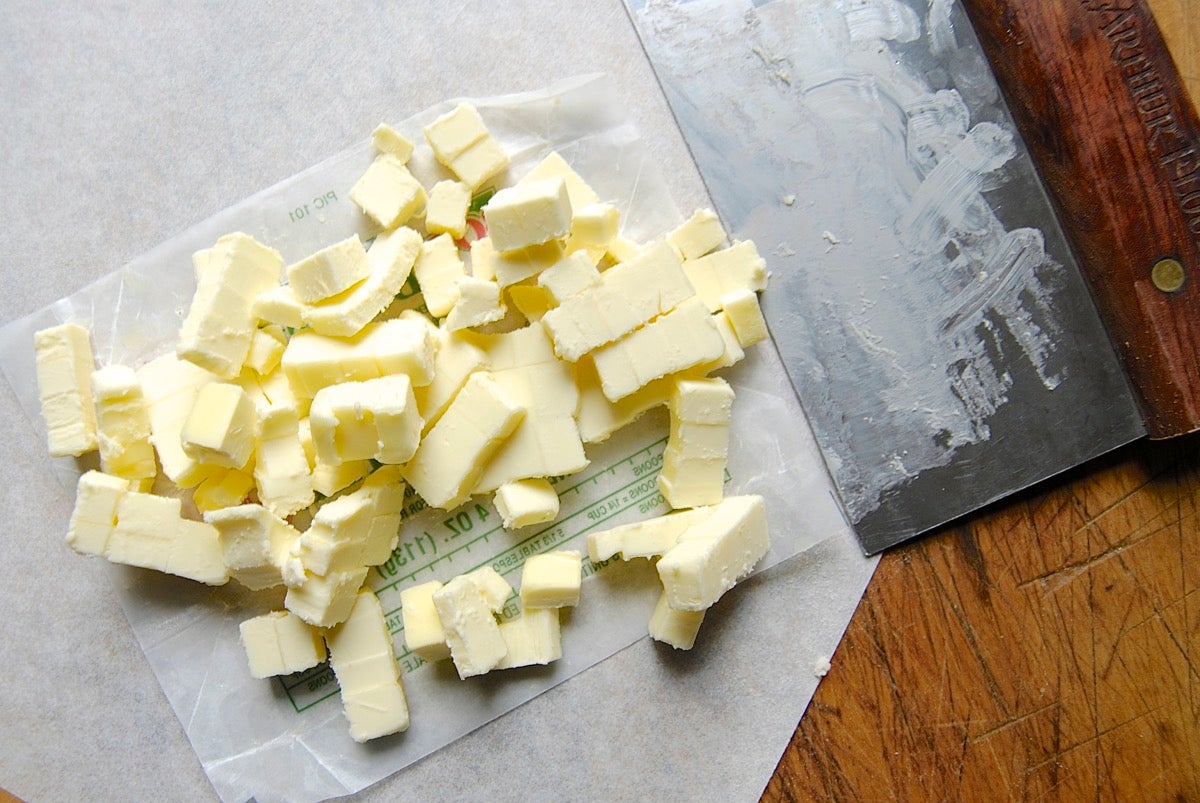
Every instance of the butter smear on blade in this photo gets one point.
(302, 402)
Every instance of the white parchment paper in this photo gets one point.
(287, 739)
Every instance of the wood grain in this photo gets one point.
(1117, 143)
(1046, 649)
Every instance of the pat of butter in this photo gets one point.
(598, 418)
(94, 516)
(569, 276)
(594, 226)
(279, 305)
(280, 643)
(551, 580)
(532, 639)
(64, 369)
(396, 346)
(478, 303)
(170, 386)
(476, 645)
(494, 588)
(254, 543)
(456, 358)
(677, 628)
(526, 502)
(629, 295)
(123, 424)
(151, 532)
(227, 487)
(364, 661)
(455, 131)
(528, 214)
(738, 267)
(266, 347)
(438, 269)
(221, 426)
(281, 469)
(423, 632)
(388, 140)
(699, 234)
(554, 166)
(374, 419)
(324, 601)
(356, 529)
(643, 539)
(511, 267)
(530, 300)
(712, 555)
(327, 480)
(391, 259)
(330, 271)
(480, 162)
(387, 193)
(446, 210)
(693, 470)
(221, 321)
(745, 316)
(677, 341)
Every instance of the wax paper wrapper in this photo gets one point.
(287, 738)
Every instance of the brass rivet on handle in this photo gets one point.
(1168, 275)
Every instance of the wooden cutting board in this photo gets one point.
(1046, 649)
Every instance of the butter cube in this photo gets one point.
(446, 211)
(532, 639)
(554, 166)
(699, 234)
(480, 162)
(526, 502)
(94, 517)
(328, 480)
(693, 470)
(324, 601)
(438, 269)
(494, 588)
(476, 645)
(221, 427)
(254, 543)
(388, 140)
(622, 249)
(681, 339)
(423, 631)
(387, 193)
(482, 253)
(569, 276)
(396, 346)
(357, 529)
(738, 267)
(170, 386)
(528, 214)
(677, 628)
(551, 580)
(226, 487)
(478, 303)
(221, 321)
(363, 659)
(511, 267)
(452, 133)
(152, 533)
(644, 539)
(391, 259)
(281, 469)
(374, 419)
(329, 271)
(123, 425)
(595, 226)
(629, 295)
(280, 643)
(745, 316)
(456, 358)
(266, 347)
(530, 300)
(733, 349)
(280, 306)
(598, 418)
(64, 369)
(712, 555)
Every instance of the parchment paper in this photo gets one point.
(606, 715)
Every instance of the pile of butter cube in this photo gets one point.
(275, 444)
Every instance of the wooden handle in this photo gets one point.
(1111, 129)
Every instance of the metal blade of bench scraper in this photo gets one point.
(929, 312)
